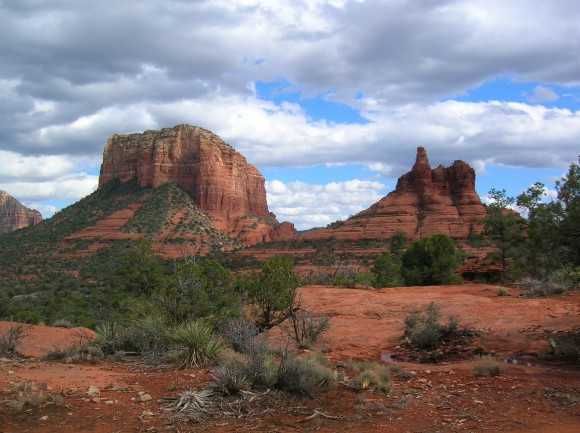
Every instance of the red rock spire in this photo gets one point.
(422, 161)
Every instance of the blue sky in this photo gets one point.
(514, 179)
(329, 98)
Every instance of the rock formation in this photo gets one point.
(425, 202)
(14, 215)
(219, 179)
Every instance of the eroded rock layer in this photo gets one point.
(220, 180)
(425, 202)
(14, 215)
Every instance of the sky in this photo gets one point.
(328, 98)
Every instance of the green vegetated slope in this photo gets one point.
(32, 249)
(39, 259)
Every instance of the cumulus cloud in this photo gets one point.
(542, 94)
(313, 205)
(69, 187)
(46, 210)
(283, 135)
(21, 167)
(74, 72)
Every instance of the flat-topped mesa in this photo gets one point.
(425, 201)
(220, 180)
(14, 215)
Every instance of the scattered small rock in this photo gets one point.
(93, 391)
(143, 397)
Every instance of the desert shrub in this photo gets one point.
(230, 377)
(28, 396)
(261, 368)
(556, 283)
(10, 339)
(198, 343)
(387, 271)
(371, 375)
(148, 336)
(63, 323)
(431, 261)
(256, 370)
(272, 291)
(252, 361)
(242, 335)
(303, 376)
(424, 330)
(486, 366)
(198, 288)
(502, 291)
(306, 328)
(89, 352)
(565, 347)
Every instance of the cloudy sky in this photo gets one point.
(329, 98)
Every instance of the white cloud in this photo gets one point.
(70, 77)
(46, 210)
(69, 187)
(21, 167)
(268, 134)
(313, 205)
(542, 94)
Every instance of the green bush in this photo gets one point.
(88, 352)
(303, 376)
(371, 375)
(139, 271)
(198, 288)
(431, 261)
(350, 277)
(424, 330)
(198, 343)
(272, 291)
(148, 336)
(387, 271)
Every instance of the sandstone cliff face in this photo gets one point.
(425, 202)
(14, 216)
(220, 180)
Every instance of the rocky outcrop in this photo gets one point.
(220, 180)
(425, 202)
(14, 215)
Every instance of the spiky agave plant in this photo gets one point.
(193, 405)
(200, 346)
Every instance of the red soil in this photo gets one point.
(40, 340)
(446, 397)
(365, 323)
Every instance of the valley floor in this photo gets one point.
(530, 395)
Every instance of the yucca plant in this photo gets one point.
(200, 346)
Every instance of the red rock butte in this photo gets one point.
(220, 180)
(14, 215)
(425, 202)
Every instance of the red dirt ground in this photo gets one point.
(445, 398)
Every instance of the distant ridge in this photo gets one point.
(14, 215)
